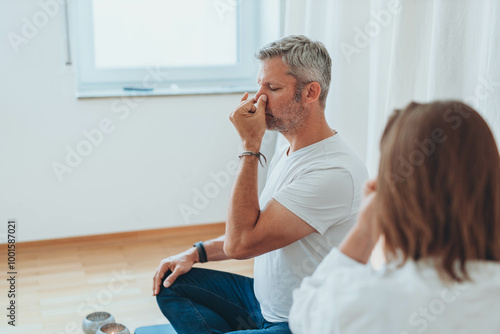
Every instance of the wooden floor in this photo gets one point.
(60, 282)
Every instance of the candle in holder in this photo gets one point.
(113, 328)
(93, 321)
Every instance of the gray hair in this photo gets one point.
(307, 60)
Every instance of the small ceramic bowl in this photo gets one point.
(93, 321)
(113, 328)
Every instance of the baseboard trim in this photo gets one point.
(120, 237)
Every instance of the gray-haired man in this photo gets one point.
(309, 203)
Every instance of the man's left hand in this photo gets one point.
(250, 121)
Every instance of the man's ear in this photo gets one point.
(311, 92)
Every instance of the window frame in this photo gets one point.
(156, 80)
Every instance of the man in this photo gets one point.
(309, 203)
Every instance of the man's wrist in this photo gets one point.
(192, 254)
(252, 147)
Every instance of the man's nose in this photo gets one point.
(258, 94)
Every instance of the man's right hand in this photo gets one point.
(178, 264)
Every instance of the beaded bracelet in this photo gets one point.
(258, 155)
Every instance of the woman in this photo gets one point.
(436, 206)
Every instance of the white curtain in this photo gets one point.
(387, 53)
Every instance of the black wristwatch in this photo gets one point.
(202, 254)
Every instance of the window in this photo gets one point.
(162, 47)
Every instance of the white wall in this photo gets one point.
(155, 160)
(142, 174)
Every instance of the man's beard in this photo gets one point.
(292, 117)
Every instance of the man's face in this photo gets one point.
(283, 113)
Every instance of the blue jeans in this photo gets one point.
(212, 302)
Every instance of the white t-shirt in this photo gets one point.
(344, 296)
(322, 184)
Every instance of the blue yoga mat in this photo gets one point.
(158, 329)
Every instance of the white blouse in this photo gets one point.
(344, 296)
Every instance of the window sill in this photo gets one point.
(162, 91)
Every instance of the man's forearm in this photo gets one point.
(244, 206)
(215, 249)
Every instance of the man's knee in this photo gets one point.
(165, 292)
(189, 278)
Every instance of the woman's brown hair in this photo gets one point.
(438, 187)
